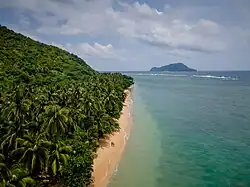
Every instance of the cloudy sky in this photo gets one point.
(136, 35)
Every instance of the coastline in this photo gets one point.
(108, 157)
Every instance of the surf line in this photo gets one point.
(125, 137)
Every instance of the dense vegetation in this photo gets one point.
(54, 109)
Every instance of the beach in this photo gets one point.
(108, 156)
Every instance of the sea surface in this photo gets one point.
(189, 130)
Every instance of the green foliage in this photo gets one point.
(53, 110)
(78, 171)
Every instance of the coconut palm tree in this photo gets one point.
(19, 177)
(55, 120)
(104, 123)
(4, 171)
(15, 116)
(33, 151)
(17, 107)
(58, 157)
(14, 176)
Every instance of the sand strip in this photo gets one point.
(109, 156)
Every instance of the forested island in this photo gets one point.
(173, 67)
(54, 108)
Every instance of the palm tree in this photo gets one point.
(13, 133)
(4, 171)
(110, 101)
(15, 176)
(19, 177)
(76, 118)
(104, 123)
(33, 151)
(90, 104)
(55, 120)
(58, 157)
(15, 115)
(17, 108)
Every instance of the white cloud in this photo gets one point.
(88, 50)
(135, 21)
(29, 35)
(102, 51)
(158, 30)
(144, 9)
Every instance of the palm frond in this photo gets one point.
(17, 151)
(2, 157)
(64, 159)
(54, 167)
(47, 144)
(33, 162)
(28, 180)
(66, 149)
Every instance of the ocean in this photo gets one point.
(189, 130)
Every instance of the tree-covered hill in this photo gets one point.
(28, 61)
(54, 109)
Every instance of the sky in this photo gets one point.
(129, 35)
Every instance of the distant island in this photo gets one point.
(173, 67)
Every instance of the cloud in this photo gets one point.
(142, 9)
(178, 35)
(30, 35)
(63, 1)
(136, 21)
(143, 23)
(95, 50)
(101, 51)
(157, 30)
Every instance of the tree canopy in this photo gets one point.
(54, 108)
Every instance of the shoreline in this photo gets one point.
(108, 156)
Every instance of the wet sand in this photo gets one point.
(108, 156)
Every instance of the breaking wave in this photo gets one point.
(216, 77)
(232, 78)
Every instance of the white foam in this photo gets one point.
(216, 77)
(187, 75)
(115, 170)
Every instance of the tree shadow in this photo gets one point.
(104, 142)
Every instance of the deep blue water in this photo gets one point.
(196, 130)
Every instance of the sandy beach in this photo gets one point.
(108, 157)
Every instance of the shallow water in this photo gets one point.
(189, 130)
(142, 153)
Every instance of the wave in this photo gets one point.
(186, 75)
(216, 77)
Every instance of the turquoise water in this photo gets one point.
(189, 130)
